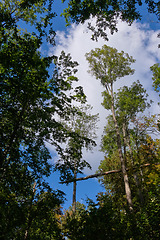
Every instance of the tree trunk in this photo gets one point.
(74, 191)
(119, 145)
(127, 142)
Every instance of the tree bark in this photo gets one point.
(127, 142)
(93, 176)
(74, 192)
(119, 145)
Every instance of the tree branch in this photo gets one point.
(103, 174)
(92, 176)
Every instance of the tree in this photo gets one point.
(107, 13)
(93, 221)
(41, 218)
(134, 133)
(145, 152)
(129, 102)
(108, 65)
(83, 123)
(31, 97)
(104, 219)
(36, 14)
(108, 217)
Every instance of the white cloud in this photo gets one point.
(137, 40)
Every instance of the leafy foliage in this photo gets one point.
(36, 107)
(105, 219)
(31, 101)
(92, 221)
(35, 14)
(30, 216)
(108, 65)
(107, 13)
(82, 125)
(137, 145)
(156, 76)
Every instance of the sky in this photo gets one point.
(138, 40)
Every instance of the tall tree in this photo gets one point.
(31, 97)
(83, 123)
(129, 101)
(108, 65)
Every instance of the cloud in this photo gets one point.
(137, 40)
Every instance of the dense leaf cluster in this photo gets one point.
(32, 100)
(107, 12)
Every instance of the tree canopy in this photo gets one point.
(31, 100)
(39, 105)
(107, 13)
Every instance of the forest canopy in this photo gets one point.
(42, 104)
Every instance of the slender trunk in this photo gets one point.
(74, 192)
(127, 143)
(119, 145)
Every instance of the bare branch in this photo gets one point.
(104, 173)
(92, 176)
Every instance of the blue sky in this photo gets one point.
(139, 40)
(59, 22)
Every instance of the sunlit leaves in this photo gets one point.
(82, 126)
(107, 13)
(32, 99)
(156, 76)
(108, 65)
(19, 15)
